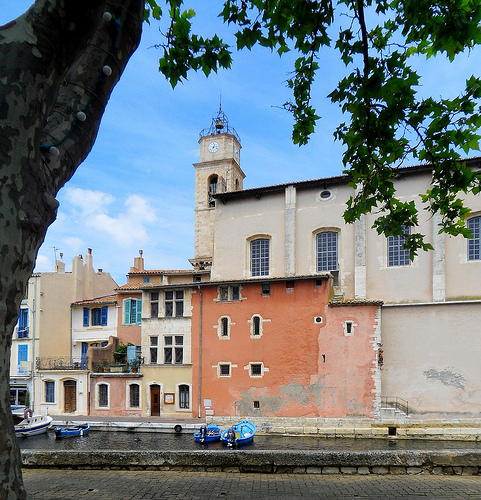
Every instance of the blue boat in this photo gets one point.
(71, 431)
(207, 434)
(241, 433)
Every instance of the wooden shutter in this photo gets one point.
(126, 311)
(138, 318)
(86, 316)
(103, 316)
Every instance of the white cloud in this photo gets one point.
(43, 264)
(99, 211)
(88, 201)
(74, 243)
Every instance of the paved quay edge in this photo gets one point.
(462, 462)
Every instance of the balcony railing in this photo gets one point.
(22, 333)
(398, 405)
(61, 363)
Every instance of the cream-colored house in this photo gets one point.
(166, 344)
(432, 305)
(42, 362)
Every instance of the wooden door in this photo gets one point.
(155, 400)
(70, 396)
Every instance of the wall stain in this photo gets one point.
(446, 377)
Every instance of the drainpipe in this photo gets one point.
(200, 347)
(34, 319)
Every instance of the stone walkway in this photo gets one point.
(53, 484)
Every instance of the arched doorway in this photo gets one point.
(70, 396)
(155, 400)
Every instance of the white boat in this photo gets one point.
(33, 424)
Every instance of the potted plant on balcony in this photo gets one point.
(134, 365)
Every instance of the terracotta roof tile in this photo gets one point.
(106, 299)
(356, 302)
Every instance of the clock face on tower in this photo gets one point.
(213, 146)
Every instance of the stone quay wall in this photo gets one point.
(462, 462)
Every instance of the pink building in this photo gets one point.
(279, 348)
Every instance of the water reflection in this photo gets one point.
(103, 440)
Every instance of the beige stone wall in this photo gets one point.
(238, 222)
(431, 357)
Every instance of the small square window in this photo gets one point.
(224, 370)
(197, 278)
(266, 289)
(256, 370)
(257, 404)
(289, 284)
(146, 279)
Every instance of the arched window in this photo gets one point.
(213, 180)
(260, 257)
(256, 325)
(103, 395)
(224, 327)
(134, 396)
(397, 255)
(184, 397)
(326, 249)
(474, 243)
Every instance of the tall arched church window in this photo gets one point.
(397, 255)
(327, 250)
(474, 243)
(260, 257)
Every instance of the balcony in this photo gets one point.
(61, 363)
(22, 333)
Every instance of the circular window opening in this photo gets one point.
(325, 195)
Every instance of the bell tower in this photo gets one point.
(218, 171)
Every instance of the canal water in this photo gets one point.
(147, 441)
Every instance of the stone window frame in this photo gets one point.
(97, 395)
(263, 369)
(261, 325)
(128, 404)
(224, 363)
(220, 327)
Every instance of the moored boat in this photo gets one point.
(207, 434)
(32, 424)
(71, 430)
(241, 433)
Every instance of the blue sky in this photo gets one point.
(136, 188)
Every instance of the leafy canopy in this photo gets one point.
(386, 122)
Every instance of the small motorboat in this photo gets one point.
(207, 434)
(32, 424)
(71, 430)
(239, 434)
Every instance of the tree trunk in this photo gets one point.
(54, 86)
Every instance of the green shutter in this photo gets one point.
(126, 311)
(139, 311)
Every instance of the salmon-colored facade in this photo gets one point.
(277, 348)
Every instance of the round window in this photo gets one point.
(325, 195)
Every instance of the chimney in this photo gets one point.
(60, 265)
(138, 263)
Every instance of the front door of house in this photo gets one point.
(155, 400)
(70, 396)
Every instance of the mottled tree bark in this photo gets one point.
(51, 68)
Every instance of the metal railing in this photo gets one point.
(61, 363)
(395, 403)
